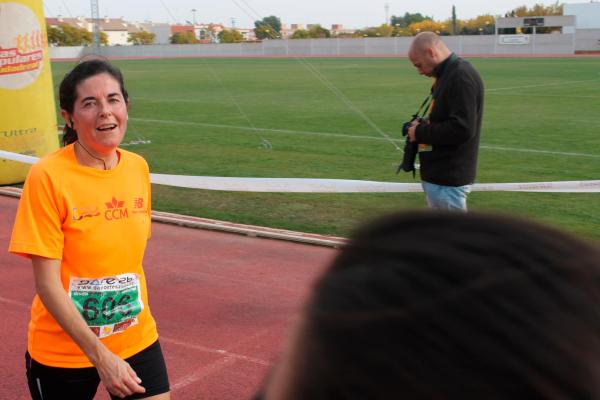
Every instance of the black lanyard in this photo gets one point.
(424, 106)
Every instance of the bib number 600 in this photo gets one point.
(92, 308)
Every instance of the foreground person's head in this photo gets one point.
(448, 306)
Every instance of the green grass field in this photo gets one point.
(541, 123)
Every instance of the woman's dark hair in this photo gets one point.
(451, 306)
(68, 88)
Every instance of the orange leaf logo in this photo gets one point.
(114, 204)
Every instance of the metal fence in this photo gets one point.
(549, 44)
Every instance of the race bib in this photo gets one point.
(108, 305)
(425, 147)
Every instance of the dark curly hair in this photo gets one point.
(452, 306)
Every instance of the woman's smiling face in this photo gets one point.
(99, 113)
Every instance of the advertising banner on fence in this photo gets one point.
(513, 39)
(27, 110)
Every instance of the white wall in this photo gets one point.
(117, 38)
(484, 45)
(587, 15)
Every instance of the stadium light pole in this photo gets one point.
(95, 25)
(194, 16)
(387, 13)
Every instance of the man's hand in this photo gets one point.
(412, 131)
(117, 376)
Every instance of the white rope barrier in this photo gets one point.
(300, 185)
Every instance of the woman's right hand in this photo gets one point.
(117, 375)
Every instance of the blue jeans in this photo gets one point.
(453, 198)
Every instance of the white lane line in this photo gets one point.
(557, 153)
(246, 128)
(202, 373)
(343, 136)
(545, 95)
(224, 353)
(541, 85)
(15, 302)
(200, 98)
(216, 366)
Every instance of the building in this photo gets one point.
(208, 33)
(535, 24)
(587, 15)
(116, 30)
(175, 29)
(162, 31)
(338, 30)
(204, 33)
(79, 22)
(247, 33)
(181, 29)
(285, 32)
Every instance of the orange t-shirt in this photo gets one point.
(97, 223)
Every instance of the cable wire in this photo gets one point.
(327, 83)
(168, 11)
(264, 143)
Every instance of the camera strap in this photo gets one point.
(410, 149)
(424, 107)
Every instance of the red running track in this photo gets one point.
(222, 302)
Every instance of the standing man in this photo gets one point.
(449, 139)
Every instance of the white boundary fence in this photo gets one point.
(299, 185)
(486, 45)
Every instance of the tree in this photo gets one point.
(268, 28)
(454, 20)
(301, 34)
(67, 35)
(367, 32)
(537, 10)
(317, 32)
(401, 32)
(407, 19)
(56, 36)
(186, 37)
(383, 30)
(480, 25)
(230, 36)
(428, 25)
(142, 37)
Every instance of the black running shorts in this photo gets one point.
(52, 383)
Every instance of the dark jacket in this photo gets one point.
(454, 125)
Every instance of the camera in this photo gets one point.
(410, 148)
(406, 126)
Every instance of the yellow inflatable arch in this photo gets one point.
(27, 110)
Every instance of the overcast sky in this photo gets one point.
(350, 13)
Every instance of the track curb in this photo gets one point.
(224, 226)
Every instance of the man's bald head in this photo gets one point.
(427, 51)
(424, 41)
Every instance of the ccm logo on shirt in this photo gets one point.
(115, 210)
